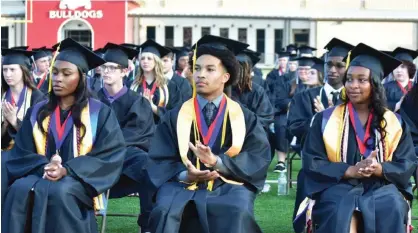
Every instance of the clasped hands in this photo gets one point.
(365, 168)
(54, 171)
(206, 156)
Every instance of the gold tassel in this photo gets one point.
(194, 69)
(347, 63)
(343, 94)
(50, 68)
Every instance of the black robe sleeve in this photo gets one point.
(138, 127)
(393, 94)
(262, 107)
(283, 97)
(173, 101)
(184, 87)
(320, 172)
(300, 114)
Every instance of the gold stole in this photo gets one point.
(22, 111)
(83, 148)
(334, 140)
(187, 117)
(164, 95)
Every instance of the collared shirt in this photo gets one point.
(202, 101)
(115, 97)
(328, 90)
(169, 75)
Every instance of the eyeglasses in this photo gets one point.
(338, 65)
(111, 69)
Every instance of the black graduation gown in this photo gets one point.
(409, 113)
(256, 101)
(258, 77)
(37, 96)
(173, 101)
(67, 203)
(393, 94)
(45, 85)
(183, 86)
(134, 115)
(380, 201)
(228, 208)
(95, 83)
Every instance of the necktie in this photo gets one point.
(335, 95)
(209, 113)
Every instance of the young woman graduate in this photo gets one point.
(358, 156)
(403, 75)
(69, 150)
(136, 120)
(306, 104)
(209, 157)
(250, 94)
(18, 94)
(151, 83)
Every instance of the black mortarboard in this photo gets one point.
(99, 52)
(131, 46)
(20, 47)
(293, 57)
(221, 43)
(387, 52)
(306, 61)
(150, 46)
(16, 57)
(118, 54)
(40, 53)
(292, 49)
(405, 54)
(252, 57)
(180, 51)
(318, 64)
(284, 54)
(306, 51)
(338, 48)
(372, 59)
(77, 54)
(49, 51)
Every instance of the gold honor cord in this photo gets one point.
(52, 65)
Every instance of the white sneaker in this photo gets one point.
(266, 188)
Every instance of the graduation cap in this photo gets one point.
(292, 49)
(150, 46)
(318, 64)
(77, 54)
(306, 51)
(16, 57)
(284, 54)
(220, 43)
(252, 57)
(129, 45)
(99, 52)
(338, 48)
(118, 54)
(293, 57)
(40, 53)
(405, 54)
(306, 61)
(379, 63)
(180, 51)
(20, 47)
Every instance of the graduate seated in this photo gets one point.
(358, 156)
(210, 156)
(136, 121)
(68, 150)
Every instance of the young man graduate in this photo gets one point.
(183, 85)
(210, 156)
(306, 104)
(40, 74)
(135, 118)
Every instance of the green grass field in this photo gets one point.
(273, 213)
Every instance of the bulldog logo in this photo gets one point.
(74, 4)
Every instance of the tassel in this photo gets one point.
(194, 69)
(52, 65)
(343, 94)
(347, 63)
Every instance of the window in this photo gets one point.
(169, 36)
(187, 36)
(278, 40)
(301, 36)
(151, 33)
(5, 37)
(205, 31)
(242, 35)
(224, 32)
(81, 36)
(261, 42)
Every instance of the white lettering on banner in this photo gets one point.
(86, 14)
